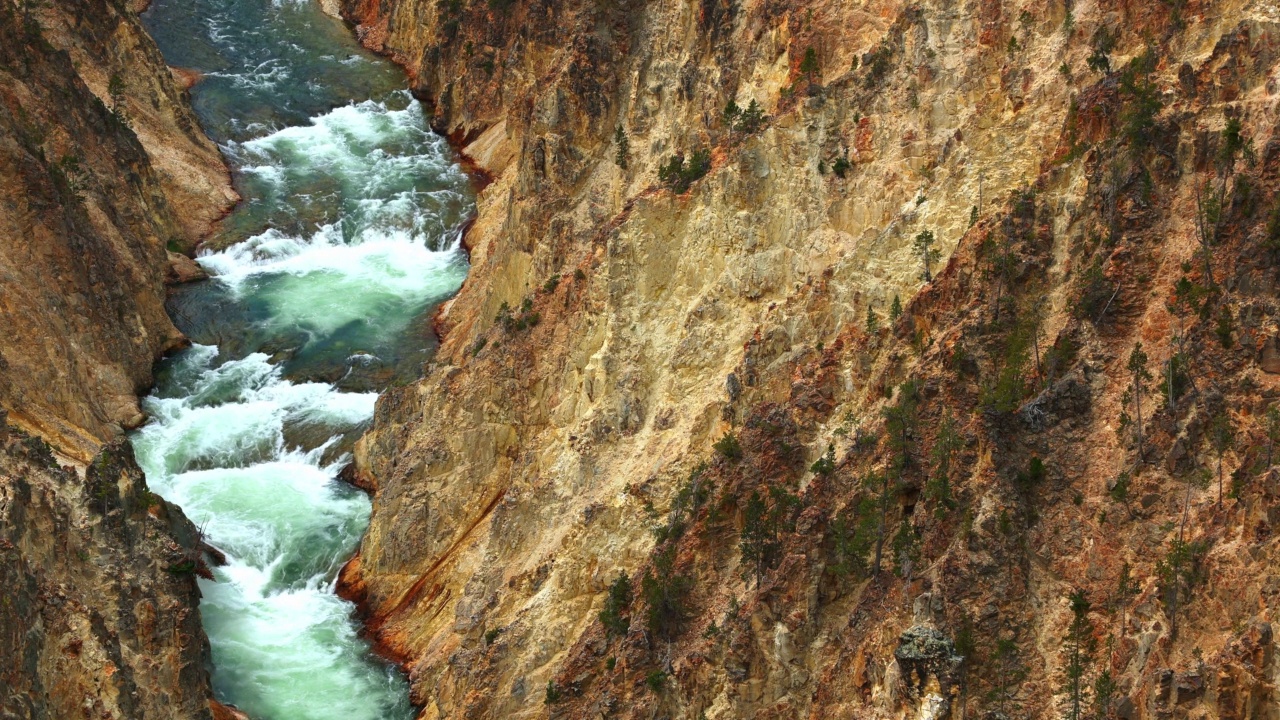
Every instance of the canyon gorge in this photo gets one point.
(867, 359)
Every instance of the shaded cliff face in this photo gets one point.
(103, 170)
(1060, 163)
(89, 630)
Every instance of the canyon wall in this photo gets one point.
(99, 617)
(982, 418)
(105, 174)
(105, 178)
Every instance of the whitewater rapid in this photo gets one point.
(347, 237)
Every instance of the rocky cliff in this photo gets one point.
(99, 617)
(105, 179)
(847, 384)
(104, 173)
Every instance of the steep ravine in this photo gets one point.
(612, 329)
(323, 282)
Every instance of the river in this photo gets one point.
(324, 278)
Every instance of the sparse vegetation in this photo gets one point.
(762, 527)
(923, 246)
(665, 593)
(655, 681)
(679, 174)
(1080, 645)
(614, 617)
(728, 446)
(525, 319)
(622, 148)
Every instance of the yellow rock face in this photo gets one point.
(513, 481)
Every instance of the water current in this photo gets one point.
(323, 282)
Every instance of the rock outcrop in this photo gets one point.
(99, 615)
(103, 169)
(623, 313)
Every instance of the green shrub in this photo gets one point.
(665, 595)
(826, 464)
(623, 148)
(878, 63)
(1032, 476)
(613, 617)
(679, 174)
(553, 693)
(655, 681)
(512, 322)
(729, 447)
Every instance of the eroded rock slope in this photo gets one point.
(1094, 175)
(103, 171)
(99, 618)
(104, 178)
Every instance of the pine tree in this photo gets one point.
(1126, 588)
(1179, 572)
(665, 594)
(615, 605)
(751, 119)
(928, 254)
(873, 321)
(755, 538)
(1223, 436)
(895, 310)
(906, 549)
(731, 114)
(946, 444)
(1080, 645)
(809, 65)
(623, 145)
(1104, 691)
(1140, 377)
(853, 533)
(1273, 432)
(1008, 672)
(899, 424)
(879, 483)
(763, 522)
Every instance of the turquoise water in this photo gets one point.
(323, 280)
